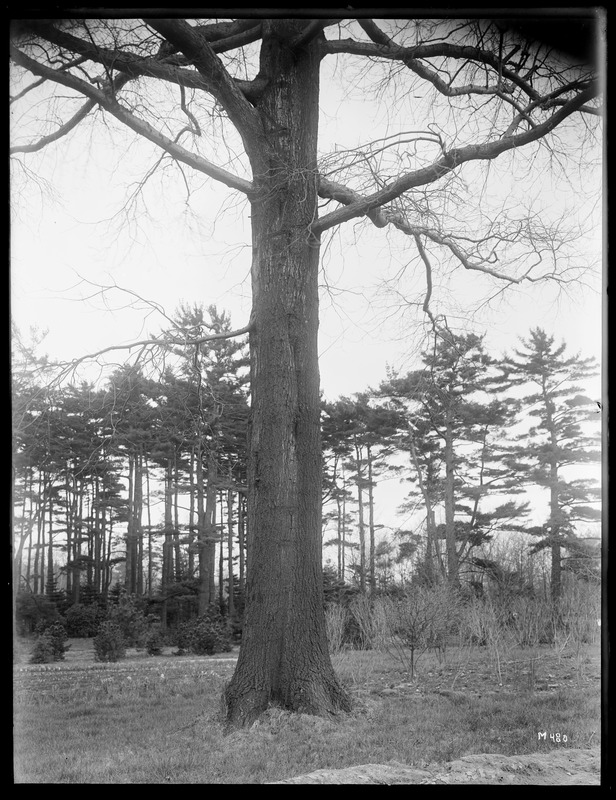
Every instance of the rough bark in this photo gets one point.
(284, 658)
(430, 523)
(450, 530)
(555, 535)
(231, 601)
(362, 524)
(371, 529)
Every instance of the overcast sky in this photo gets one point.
(71, 221)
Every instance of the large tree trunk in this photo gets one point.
(284, 658)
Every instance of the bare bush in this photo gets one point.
(530, 620)
(575, 616)
(486, 625)
(421, 619)
(335, 621)
(369, 627)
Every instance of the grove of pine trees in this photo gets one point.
(142, 477)
(141, 483)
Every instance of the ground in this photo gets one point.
(567, 768)
(468, 686)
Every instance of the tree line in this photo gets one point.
(477, 432)
(141, 482)
(143, 473)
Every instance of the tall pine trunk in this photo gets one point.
(362, 523)
(167, 565)
(429, 572)
(284, 659)
(372, 543)
(241, 536)
(177, 551)
(555, 532)
(450, 522)
(207, 531)
(231, 601)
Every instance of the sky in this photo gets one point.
(74, 230)
(70, 235)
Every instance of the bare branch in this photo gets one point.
(446, 164)
(220, 84)
(237, 40)
(135, 66)
(164, 342)
(143, 128)
(375, 33)
(25, 91)
(428, 266)
(58, 134)
(330, 190)
(385, 48)
(222, 32)
(399, 222)
(196, 129)
(311, 30)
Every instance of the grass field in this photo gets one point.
(156, 719)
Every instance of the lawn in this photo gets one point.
(156, 719)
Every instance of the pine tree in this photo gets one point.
(361, 433)
(566, 435)
(454, 417)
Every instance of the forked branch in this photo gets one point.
(110, 103)
(356, 206)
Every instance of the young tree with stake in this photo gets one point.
(261, 79)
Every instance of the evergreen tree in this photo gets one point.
(455, 418)
(565, 436)
(361, 433)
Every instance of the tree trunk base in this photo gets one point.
(320, 698)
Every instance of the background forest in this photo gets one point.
(129, 497)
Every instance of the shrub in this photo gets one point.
(154, 640)
(421, 619)
(205, 635)
(49, 645)
(335, 620)
(361, 629)
(32, 609)
(82, 621)
(109, 643)
(530, 619)
(129, 616)
(42, 652)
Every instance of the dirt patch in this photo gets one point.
(562, 768)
